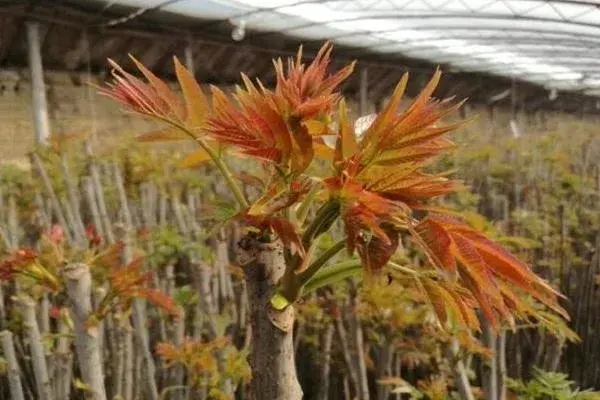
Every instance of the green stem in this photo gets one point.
(233, 186)
(313, 268)
(302, 211)
(174, 388)
(321, 222)
(333, 274)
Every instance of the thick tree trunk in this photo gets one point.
(272, 349)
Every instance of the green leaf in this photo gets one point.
(195, 159)
(219, 211)
(519, 242)
(185, 295)
(79, 384)
(333, 274)
(279, 302)
(3, 366)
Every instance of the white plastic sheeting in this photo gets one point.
(555, 43)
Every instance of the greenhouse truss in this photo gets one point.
(555, 44)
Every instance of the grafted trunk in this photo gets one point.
(359, 345)
(87, 343)
(38, 356)
(272, 349)
(501, 364)
(384, 367)
(489, 374)
(12, 366)
(326, 344)
(459, 370)
(64, 359)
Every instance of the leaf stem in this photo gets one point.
(302, 210)
(333, 274)
(313, 268)
(326, 215)
(225, 171)
(233, 186)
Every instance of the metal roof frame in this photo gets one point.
(552, 43)
(563, 29)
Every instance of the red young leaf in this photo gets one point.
(16, 263)
(278, 197)
(306, 90)
(483, 266)
(159, 299)
(376, 251)
(56, 234)
(380, 176)
(274, 125)
(92, 235)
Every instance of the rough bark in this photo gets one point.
(141, 332)
(129, 369)
(358, 339)
(489, 375)
(12, 366)
(272, 350)
(56, 207)
(2, 308)
(326, 344)
(343, 337)
(205, 307)
(178, 371)
(88, 188)
(99, 194)
(36, 344)
(64, 356)
(73, 198)
(384, 367)
(139, 306)
(87, 343)
(501, 364)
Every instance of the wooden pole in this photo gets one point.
(38, 89)
(189, 57)
(364, 90)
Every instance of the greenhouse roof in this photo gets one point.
(525, 54)
(553, 43)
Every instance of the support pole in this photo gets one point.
(38, 88)
(189, 57)
(514, 103)
(364, 90)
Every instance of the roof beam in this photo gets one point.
(154, 53)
